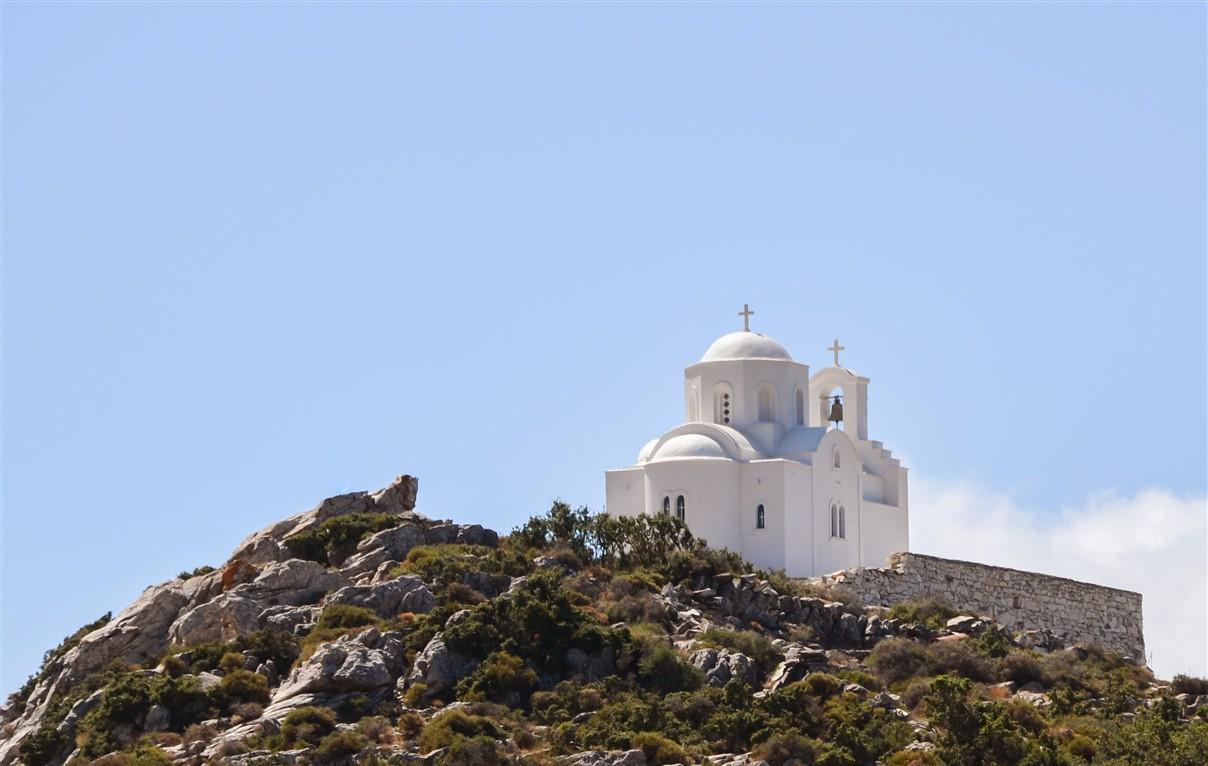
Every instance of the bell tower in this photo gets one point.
(849, 406)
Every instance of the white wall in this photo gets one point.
(763, 482)
(884, 531)
(711, 490)
(841, 486)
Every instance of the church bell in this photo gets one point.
(836, 413)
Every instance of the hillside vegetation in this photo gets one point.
(365, 633)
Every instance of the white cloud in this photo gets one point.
(1154, 542)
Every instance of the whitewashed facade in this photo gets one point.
(757, 468)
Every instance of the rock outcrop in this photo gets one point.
(261, 586)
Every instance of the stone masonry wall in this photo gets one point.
(1076, 611)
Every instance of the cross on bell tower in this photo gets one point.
(836, 349)
(746, 317)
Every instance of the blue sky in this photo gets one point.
(255, 255)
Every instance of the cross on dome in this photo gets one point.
(746, 317)
(836, 349)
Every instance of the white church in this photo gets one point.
(772, 463)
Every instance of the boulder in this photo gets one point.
(399, 497)
(290, 619)
(223, 619)
(799, 661)
(402, 594)
(159, 718)
(438, 667)
(722, 665)
(339, 666)
(294, 582)
(962, 624)
(605, 758)
(388, 545)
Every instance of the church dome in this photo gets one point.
(745, 345)
(689, 445)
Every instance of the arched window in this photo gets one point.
(667, 505)
(842, 522)
(759, 517)
(721, 405)
(834, 510)
(800, 402)
(693, 406)
(767, 404)
(679, 508)
(836, 460)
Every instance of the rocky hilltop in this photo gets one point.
(363, 632)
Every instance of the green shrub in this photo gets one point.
(914, 758)
(141, 754)
(1185, 684)
(276, 645)
(750, 643)
(945, 657)
(658, 749)
(231, 661)
(127, 698)
(340, 746)
(202, 570)
(502, 678)
(914, 693)
(787, 745)
(992, 643)
(307, 726)
(377, 729)
(968, 734)
(444, 565)
(823, 685)
(898, 659)
(929, 611)
(455, 725)
(410, 724)
(662, 670)
(244, 686)
(335, 539)
(1022, 667)
(475, 751)
(538, 623)
(344, 616)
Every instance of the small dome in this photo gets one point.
(689, 445)
(745, 345)
(647, 448)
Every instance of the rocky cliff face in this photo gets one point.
(361, 631)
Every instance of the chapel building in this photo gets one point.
(772, 463)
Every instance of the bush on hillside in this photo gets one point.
(929, 611)
(538, 623)
(335, 539)
(658, 749)
(1185, 684)
(340, 746)
(664, 671)
(306, 726)
(454, 725)
(501, 678)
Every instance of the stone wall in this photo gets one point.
(1076, 611)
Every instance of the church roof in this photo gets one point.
(689, 445)
(745, 345)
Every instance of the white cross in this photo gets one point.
(746, 317)
(837, 348)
